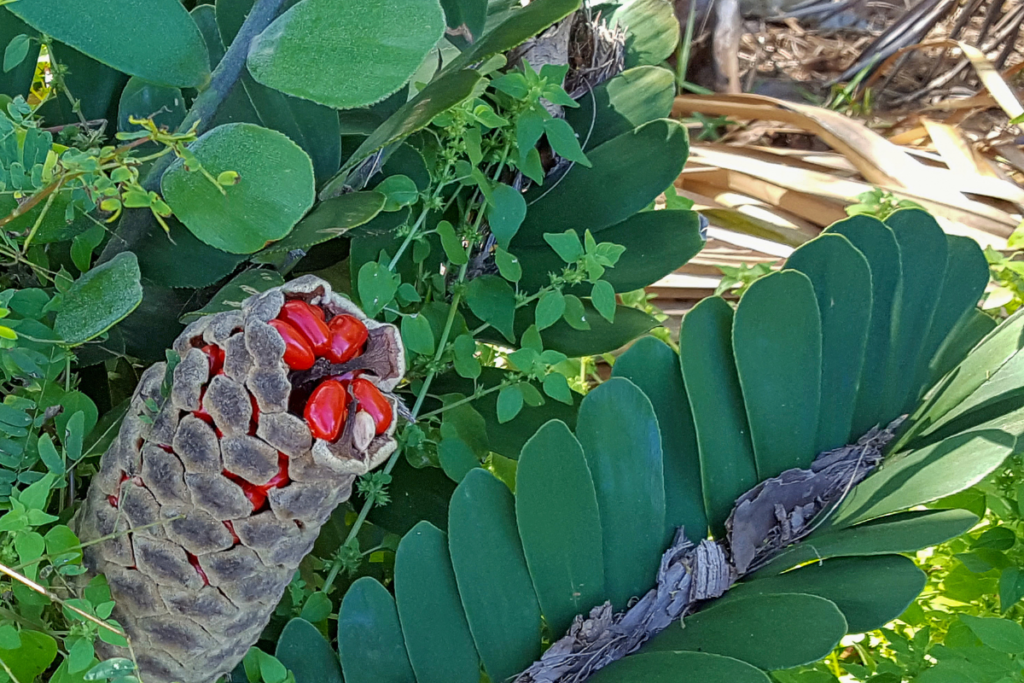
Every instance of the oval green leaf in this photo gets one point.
(652, 30)
(491, 572)
(328, 220)
(370, 636)
(777, 344)
(905, 532)
(141, 99)
(671, 667)
(921, 476)
(306, 653)
(657, 243)
(275, 190)
(964, 282)
(631, 99)
(878, 245)
(628, 173)
(162, 46)
(99, 299)
(437, 637)
(716, 402)
(1002, 635)
(654, 368)
(841, 279)
(365, 51)
(991, 354)
(760, 630)
(619, 433)
(923, 256)
(602, 337)
(852, 583)
(556, 510)
(492, 300)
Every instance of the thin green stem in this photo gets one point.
(468, 399)
(59, 83)
(331, 576)
(101, 539)
(409, 238)
(39, 220)
(393, 460)
(683, 53)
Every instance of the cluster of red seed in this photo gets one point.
(307, 336)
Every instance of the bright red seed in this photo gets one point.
(215, 355)
(298, 355)
(112, 500)
(255, 421)
(326, 410)
(348, 336)
(281, 478)
(372, 401)
(303, 318)
(194, 561)
(231, 528)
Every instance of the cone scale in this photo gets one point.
(215, 488)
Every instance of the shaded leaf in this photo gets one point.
(494, 583)
(275, 190)
(619, 433)
(492, 300)
(307, 654)
(370, 637)
(372, 51)
(748, 629)
(100, 299)
(166, 48)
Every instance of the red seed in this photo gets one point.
(281, 478)
(298, 355)
(112, 500)
(215, 355)
(372, 401)
(326, 410)
(255, 421)
(303, 318)
(253, 493)
(194, 561)
(231, 528)
(348, 336)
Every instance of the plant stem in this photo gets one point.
(683, 54)
(39, 220)
(468, 399)
(409, 238)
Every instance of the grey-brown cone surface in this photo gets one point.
(229, 481)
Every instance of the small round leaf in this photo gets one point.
(274, 190)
